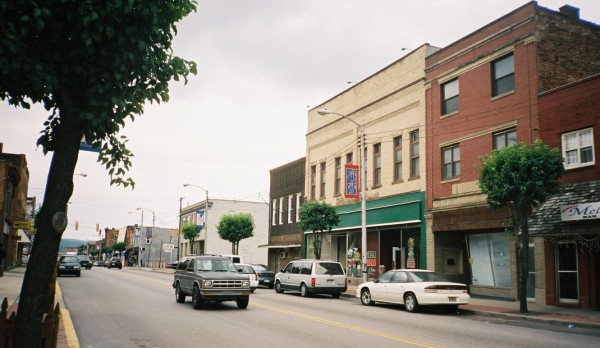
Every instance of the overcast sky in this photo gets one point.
(262, 64)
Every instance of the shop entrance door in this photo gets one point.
(566, 268)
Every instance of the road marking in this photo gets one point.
(347, 326)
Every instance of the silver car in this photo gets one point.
(312, 277)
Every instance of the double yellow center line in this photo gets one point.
(347, 326)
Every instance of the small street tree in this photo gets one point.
(234, 228)
(93, 65)
(190, 231)
(119, 247)
(520, 177)
(319, 217)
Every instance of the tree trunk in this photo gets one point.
(35, 297)
(523, 262)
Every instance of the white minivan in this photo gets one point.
(312, 277)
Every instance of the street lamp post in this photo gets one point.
(205, 216)
(140, 248)
(139, 236)
(363, 185)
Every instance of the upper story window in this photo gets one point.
(505, 138)
(323, 176)
(451, 162)
(503, 75)
(281, 210)
(274, 212)
(578, 148)
(338, 176)
(313, 182)
(377, 165)
(450, 97)
(414, 154)
(397, 158)
(349, 158)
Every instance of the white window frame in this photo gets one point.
(281, 210)
(274, 212)
(298, 197)
(290, 200)
(565, 149)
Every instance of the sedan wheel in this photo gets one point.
(197, 301)
(410, 303)
(179, 296)
(365, 297)
(303, 290)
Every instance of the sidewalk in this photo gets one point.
(10, 286)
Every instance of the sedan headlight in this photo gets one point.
(61, 267)
(77, 267)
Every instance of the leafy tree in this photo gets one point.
(92, 65)
(520, 177)
(106, 250)
(318, 216)
(119, 247)
(94, 253)
(190, 231)
(235, 227)
(82, 249)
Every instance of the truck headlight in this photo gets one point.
(207, 284)
(246, 283)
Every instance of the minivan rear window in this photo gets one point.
(329, 268)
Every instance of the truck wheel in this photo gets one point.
(243, 303)
(197, 301)
(179, 296)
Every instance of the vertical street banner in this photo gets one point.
(148, 232)
(200, 219)
(351, 181)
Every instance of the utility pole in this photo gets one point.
(179, 230)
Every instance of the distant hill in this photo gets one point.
(70, 244)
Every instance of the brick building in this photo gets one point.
(286, 190)
(482, 94)
(14, 181)
(569, 221)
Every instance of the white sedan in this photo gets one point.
(413, 288)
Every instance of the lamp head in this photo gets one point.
(323, 112)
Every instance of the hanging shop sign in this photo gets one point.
(583, 211)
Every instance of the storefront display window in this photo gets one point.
(490, 259)
(354, 255)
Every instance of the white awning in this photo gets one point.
(24, 237)
(286, 246)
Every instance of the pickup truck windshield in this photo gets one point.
(216, 266)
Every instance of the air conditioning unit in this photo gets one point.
(283, 254)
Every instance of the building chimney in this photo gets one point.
(570, 11)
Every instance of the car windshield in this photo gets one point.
(69, 259)
(427, 277)
(261, 268)
(215, 266)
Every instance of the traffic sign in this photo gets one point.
(22, 224)
(168, 247)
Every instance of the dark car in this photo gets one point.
(68, 265)
(266, 277)
(114, 262)
(210, 279)
(85, 261)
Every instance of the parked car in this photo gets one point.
(172, 264)
(312, 277)
(85, 261)
(413, 288)
(98, 263)
(210, 278)
(246, 269)
(266, 277)
(68, 265)
(114, 262)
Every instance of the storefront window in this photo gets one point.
(354, 255)
(490, 259)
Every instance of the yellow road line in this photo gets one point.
(348, 327)
(71, 335)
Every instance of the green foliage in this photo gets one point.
(98, 61)
(190, 231)
(94, 252)
(521, 175)
(106, 250)
(81, 249)
(235, 227)
(317, 216)
(119, 247)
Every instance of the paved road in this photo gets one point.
(132, 308)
